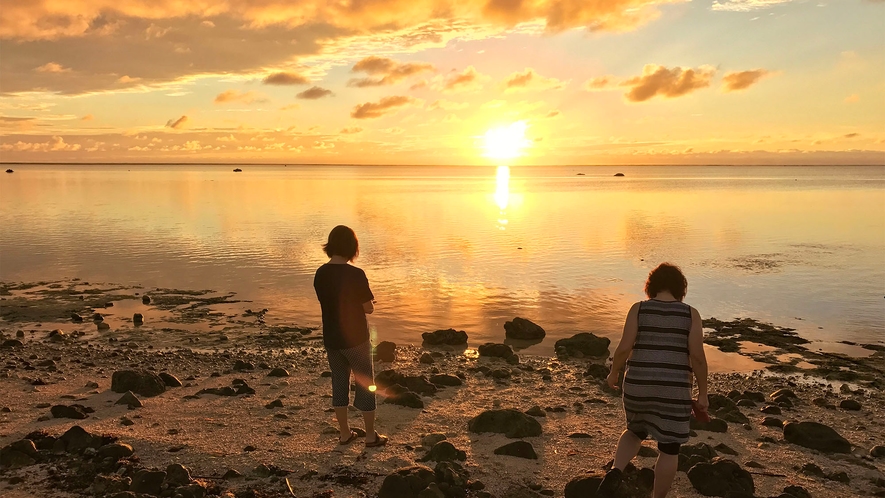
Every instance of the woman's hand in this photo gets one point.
(703, 401)
(612, 380)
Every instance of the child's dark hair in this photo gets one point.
(666, 277)
(342, 242)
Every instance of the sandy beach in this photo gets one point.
(247, 439)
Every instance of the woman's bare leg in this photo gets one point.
(628, 447)
(665, 472)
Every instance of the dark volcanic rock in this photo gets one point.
(796, 492)
(850, 404)
(169, 380)
(449, 337)
(597, 371)
(493, 350)
(772, 422)
(115, 451)
(445, 380)
(138, 381)
(536, 411)
(816, 436)
(426, 359)
(130, 400)
(73, 411)
(520, 449)
(402, 396)
(722, 477)
(714, 425)
(218, 391)
(148, 482)
(520, 328)
(76, 318)
(77, 439)
(725, 408)
(585, 343)
(278, 372)
(385, 351)
(406, 482)
(177, 474)
(771, 410)
(512, 423)
(444, 451)
(241, 365)
(415, 383)
(11, 343)
(58, 335)
(137, 319)
(877, 451)
(582, 487)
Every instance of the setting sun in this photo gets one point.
(506, 142)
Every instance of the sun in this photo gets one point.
(506, 142)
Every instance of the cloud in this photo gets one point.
(285, 78)
(88, 117)
(553, 114)
(745, 5)
(851, 135)
(447, 105)
(177, 124)
(290, 107)
(371, 110)
(669, 83)
(853, 97)
(601, 83)
(742, 80)
(323, 145)
(235, 96)
(530, 80)
(351, 130)
(386, 71)
(314, 93)
(52, 67)
(467, 80)
(56, 144)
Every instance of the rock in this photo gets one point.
(96, 317)
(277, 403)
(58, 335)
(74, 411)
(796, 492)
(431, 491)
(178, 475)
(115, 451)
(11, 343)
(580, 435)
(519, 491)
(138, 381)
(519, 449)
(77, 439)
(773, 422)
(103, 326)
(195, 490)
(385, 351)
(126, 421)
(218, 391)
(402, 396)
(19, 334)
(406, 482)
(771, 410)
(512, 423)
(714, 425)
(522, 329)
(169, 380)
(25, 446)
(619, 174)
(129, 399)
(415, 383)
(582, 487)
(722, 477)
(10, 170)
(445, 380)
(108, 485)
(783, 392)
(812, 469)
(726, 409)
(816, 436)
(536, 411)
(585, 343)
(431, 439)
(877, 451)
(840, 476)
(850, 404)
(450, 337)
(426, 359)
(444, 451)
(138, 319)
(597, 371)
(278, 372)
(241, 366)
(148, 482)
(493, 350)
(231, 474)
(10, 458)
(145, 299)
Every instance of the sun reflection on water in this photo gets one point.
(502, 194)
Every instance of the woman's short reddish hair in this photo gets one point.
(666, 277)
(342, 242)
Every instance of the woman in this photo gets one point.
(663, 339)
(345, 298)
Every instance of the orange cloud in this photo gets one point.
(852, 98)
(447, 105)
(530, 80)
(52, 67)
(235, 96)
(351, 130)
(384, 106)
(600, 83)
(285, 78)
(88, 117)
(176, 124)
(669, 83)
(386, 71)
(742, 80)
(314, 93)
(469, 79)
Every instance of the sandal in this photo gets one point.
(379, 441)
(353, 435)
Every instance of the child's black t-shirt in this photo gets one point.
(342, 289)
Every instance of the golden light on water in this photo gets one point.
(506, 142)
(502, 187)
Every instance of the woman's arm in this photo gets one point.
(697, 356)
(625, 347)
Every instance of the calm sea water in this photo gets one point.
(470, 247)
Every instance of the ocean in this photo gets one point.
(471, 247)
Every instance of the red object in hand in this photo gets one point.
(699, 412)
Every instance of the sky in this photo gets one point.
(424, 81)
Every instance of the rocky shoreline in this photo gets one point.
(148, 412)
